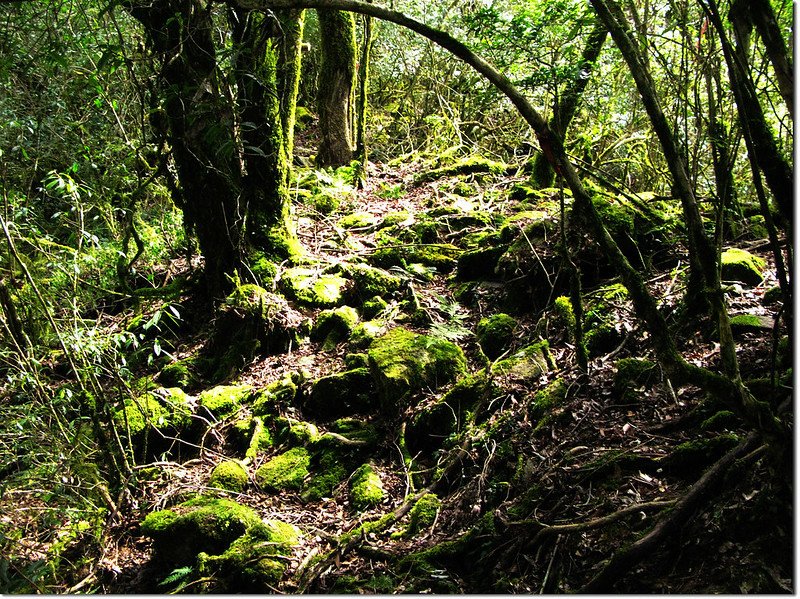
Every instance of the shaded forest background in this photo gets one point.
(327, 296)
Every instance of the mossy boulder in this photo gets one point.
(495, 334)
(334, 325)
(163, 409)
(366, 332)
(330, 471)
(742, 266)
(178, 374)
(545, 400)
(251, 436)
(343, 394)
(224, 400)
(632, 373)
(441, 256)
(366, 488)
(285, 471)
(314, 288)
(403, 362)
(529, 363)
(480, 263)
(203, 524)
(230, 475)
(274, 397)
(253, 321)
(369, 281)
(358, 220)
(373, 307)
(252, 563)
(423, 514)
(295, 432)
(751, 323)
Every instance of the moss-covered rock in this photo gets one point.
(545, 400)
(366, 488)
(314, 288)
(480, 263)
(342, 394)
(329, 472)
(634, 372)
(773, 295)
(423, 514)
(224, 400)
(369, 281)
(178, 374)
(529, 363)
(285, 471)
(229, 475)
(373, 307)
(740, 265)
(358, 220)
(295, 432)
(403, 362)
(440, 256)
(164, 409)
(252, 563)
(275, 396)
(335, 325)
(251, 436)
(495, 334)
(366, 332)
(202, 524)
(465, 166)
(751, 323)
(252, 322)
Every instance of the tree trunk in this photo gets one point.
(336, 82)
(361, 98)
(199, 129)
(291, 57)
(565, 108)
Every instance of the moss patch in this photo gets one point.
(634, 372)
(274, 396)
(495, 334)
(313, 288)
(528, 363)
(366, 488)
(285, 471)
(335, 325)
(342, 394)
(740, 265)
(370, 281)
(403, 362)
(229, 475)
(224, 400)
(423, 514)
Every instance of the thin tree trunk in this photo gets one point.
(290, 61)
(361, 99)
(336, 82)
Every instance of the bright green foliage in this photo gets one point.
(365, 332)
(285, 471)
(403, 362)
(740, 265)
(172, 411)
(201, 524)
(358, 220)
(495, 334)
(366, 488)
(224, 400)
(563, 308)
(423, 514)
(313, 288)
(229, 475)
(373, 307)
(528, 363)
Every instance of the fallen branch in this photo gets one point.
(684, 509)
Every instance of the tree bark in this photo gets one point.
(361, 98)
(290, 61)
(336, 82)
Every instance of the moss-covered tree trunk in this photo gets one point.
(290, 60)
(361, 99)
(228, 148)
(336, 83)
(199, 125)
(264, 192)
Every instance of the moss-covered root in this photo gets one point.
(366, 488)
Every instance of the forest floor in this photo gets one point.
(530, 502)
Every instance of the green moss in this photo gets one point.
(744, 323)
(634, 372)
(364, 333)
(724, 419)
(442, 257)
(370, 281)
(602, 339)
(548, 398)
(373, 307)
(342, 394)
(403, 362)
(274, 397)
(358, 220)
(285, 471)
(313, 288)
(250, 564)
(224, 400)
(481, 262)
(495, 334)
(465, 166)
(295, 432)
(229, 475)
(395, 218)
(694, 456)
(202, 524)
(563, 309)
(251, 435)
(177, 374)
(528, 363)
(357, 360)
(335, 325)
(423, 514)
(740, 265)
(161, 409)
(366, 488)
(772, 295)
(328, 475)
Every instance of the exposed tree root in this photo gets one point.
(684, 509)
